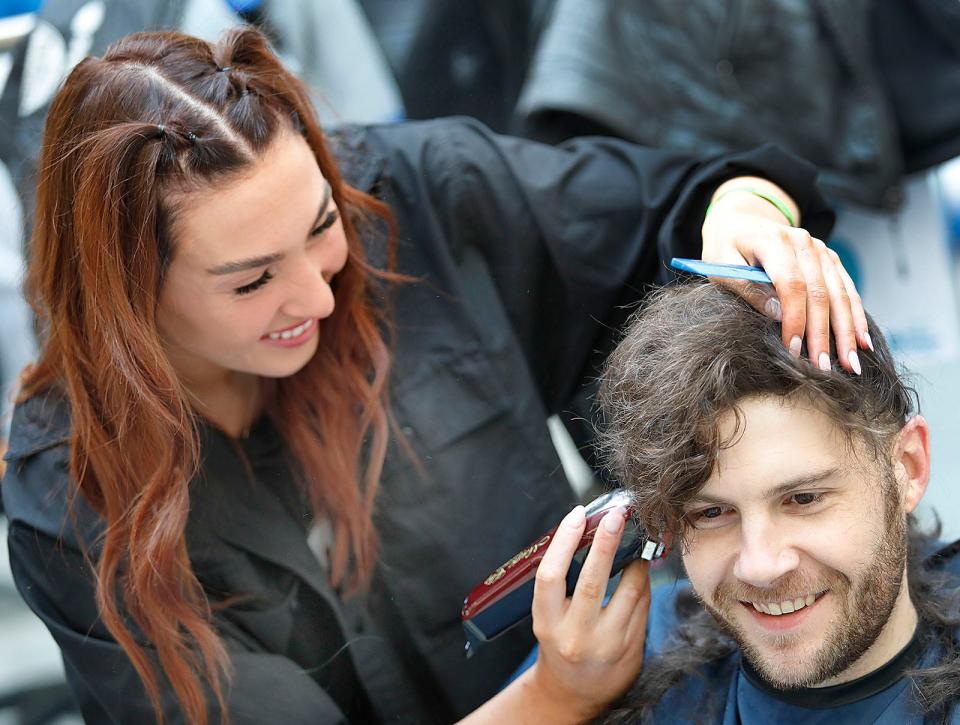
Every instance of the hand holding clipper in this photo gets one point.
(505, 597)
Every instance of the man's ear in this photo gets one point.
(911, 461)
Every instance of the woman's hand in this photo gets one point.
(812, 292)
(589, 654)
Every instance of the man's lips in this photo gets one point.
(769, 620)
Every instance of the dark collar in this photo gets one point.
(822, 698)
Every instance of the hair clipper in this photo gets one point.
(505, 598)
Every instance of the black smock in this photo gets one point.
(524, 253)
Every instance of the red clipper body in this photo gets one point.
(505, 598)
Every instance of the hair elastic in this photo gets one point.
(192, 137)
(161, 130)
(770, 198)
(224, 69)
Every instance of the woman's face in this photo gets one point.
(251, 271)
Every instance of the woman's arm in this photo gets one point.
(571, 235)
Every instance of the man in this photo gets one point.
(812, 596)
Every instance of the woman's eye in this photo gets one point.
(255, 285)
(328, 221)
(806, 499)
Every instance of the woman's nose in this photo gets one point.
(311, 295)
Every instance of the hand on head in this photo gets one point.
(812, 293)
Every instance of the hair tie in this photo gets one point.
(224, 69)
(244, 92)
(192, 137)
(161, 130)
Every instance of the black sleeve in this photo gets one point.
(572, 233)
(54, 581)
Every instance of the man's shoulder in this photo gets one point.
(664, 617)
(944, 557)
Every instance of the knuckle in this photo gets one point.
(590, 589)
(571, 651)
(542, 632)
(800, 239)
(818, 295)
(631, 593)
(795, 284)
(547, 576)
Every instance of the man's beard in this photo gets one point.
(863, 609)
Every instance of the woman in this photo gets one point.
(205, 456)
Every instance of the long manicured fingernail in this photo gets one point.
(772, 309)
(824, 362)
(795, 344)
(866, 336)
(613, 521)
(855, 362)
(575, 517)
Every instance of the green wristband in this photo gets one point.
(781, 207)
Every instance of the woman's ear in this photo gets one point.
(911, 461)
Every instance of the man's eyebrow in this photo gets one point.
(779, 490)
(241, 265)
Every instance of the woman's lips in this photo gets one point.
(292, 336)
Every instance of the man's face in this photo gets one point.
(797, 545)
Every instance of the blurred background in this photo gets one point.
(868, 91)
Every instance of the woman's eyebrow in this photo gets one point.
(243, 264)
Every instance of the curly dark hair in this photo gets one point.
(689, 354)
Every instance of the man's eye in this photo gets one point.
(710, 517)
(806, 499)
(328, 221)
(255, 285)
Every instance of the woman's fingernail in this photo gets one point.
(824, 362)
(855, 362)
(613, 521)
(795, 344)
(866, 336)
(772, 309)
(575, 517)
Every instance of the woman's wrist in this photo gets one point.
(755, 196)
(554, 702)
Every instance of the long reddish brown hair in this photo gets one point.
(159, 115)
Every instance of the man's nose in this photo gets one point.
(765, 554)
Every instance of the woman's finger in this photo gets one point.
(762, 297)
(550, 589)
(595, 575)
(841, 314)
(633, 590)
(860, 323)
(818, 299)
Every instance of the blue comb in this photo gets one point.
(709, 269)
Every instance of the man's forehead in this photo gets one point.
(771, 441)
